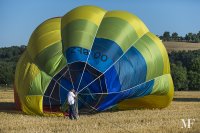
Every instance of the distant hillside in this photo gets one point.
(180, 46)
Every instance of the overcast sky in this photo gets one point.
(18, 18)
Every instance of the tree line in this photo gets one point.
(190, 37)
(185, 67)
(8, 60)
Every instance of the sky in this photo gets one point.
(19, 18)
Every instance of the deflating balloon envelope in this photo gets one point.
(109, 57)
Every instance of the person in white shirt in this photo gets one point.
(71, 101)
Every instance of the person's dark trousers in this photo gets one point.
(72, 112)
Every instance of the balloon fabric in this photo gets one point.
(110, 57)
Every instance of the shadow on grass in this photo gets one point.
(186, 99)
(112, 110)
(9, 107)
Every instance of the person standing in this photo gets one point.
(71, 101)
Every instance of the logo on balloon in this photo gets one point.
(94, 54)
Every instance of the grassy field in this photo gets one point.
(185, 105)
(178, 46)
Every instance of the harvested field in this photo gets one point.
(179, 46)
(186, 105)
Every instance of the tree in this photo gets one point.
(180, 38)
(8, 59)
(188, 37)
(175, 36)
(179, 75)
(166, 36)
(194, 80)
(195, 65)
(198, 34)
(189, 60)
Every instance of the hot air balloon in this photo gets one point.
(109, 57)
